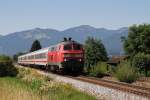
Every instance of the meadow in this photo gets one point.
(29, 85)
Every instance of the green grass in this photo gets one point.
(15, 89)
(99, 70)
(31, 86)
(126, 73)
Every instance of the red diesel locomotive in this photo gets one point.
(66, 56)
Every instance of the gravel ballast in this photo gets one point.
(100, 92)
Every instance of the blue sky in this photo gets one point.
(17, 15)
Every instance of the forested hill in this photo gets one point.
(21, 41)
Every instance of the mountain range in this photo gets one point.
(21, 41)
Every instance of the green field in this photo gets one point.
(29, 85)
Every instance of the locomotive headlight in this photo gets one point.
(80, 59)
(65, 59)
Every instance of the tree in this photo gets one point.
(142, 62)
(94, 52)
(137, 46)
(138, 40)
(35, 46)
(6, 66)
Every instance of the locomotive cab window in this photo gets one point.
(67, 47)
(72, 47)
(76, 47)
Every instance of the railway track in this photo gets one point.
(144, 79)
(138, 90)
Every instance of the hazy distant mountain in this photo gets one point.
(113, 42)
(21, 41)
(81, 32)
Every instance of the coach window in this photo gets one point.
(32, 56)
(55, 48)
(36, 56)
(44, 55)
(52, 49)
(29, 57)
(41, 55)
(25, 58)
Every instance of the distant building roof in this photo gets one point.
(116, 59)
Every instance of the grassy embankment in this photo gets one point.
(29, 85)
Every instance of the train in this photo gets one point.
(66, 56)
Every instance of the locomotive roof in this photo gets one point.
(67, 42)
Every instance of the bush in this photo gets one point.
(22, 72)
(142, 62)
(99, 70)
(126, 73)
(112, 69)
(6, 67)
(148, 74)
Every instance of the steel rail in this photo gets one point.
(138, 90)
